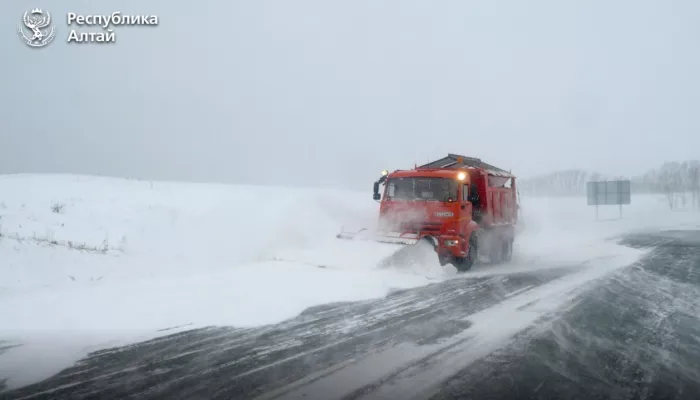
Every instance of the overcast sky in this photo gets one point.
(331, 92)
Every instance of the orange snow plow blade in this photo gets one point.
(383, 237)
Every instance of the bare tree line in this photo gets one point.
(678, 182)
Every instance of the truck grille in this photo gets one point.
(432, 227)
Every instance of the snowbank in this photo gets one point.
(67, 239)
(94, 262)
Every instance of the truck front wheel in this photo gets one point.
(464, 264)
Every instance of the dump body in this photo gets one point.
(457, 203)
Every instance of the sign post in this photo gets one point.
(604, 193)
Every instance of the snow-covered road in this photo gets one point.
(250, 283)
(551, 333)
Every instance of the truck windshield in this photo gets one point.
(419, 188)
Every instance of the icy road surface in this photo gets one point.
(632, 333)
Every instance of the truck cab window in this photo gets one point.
(419, 188)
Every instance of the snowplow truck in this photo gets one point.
(463, 207)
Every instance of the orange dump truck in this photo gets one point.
(462, 206)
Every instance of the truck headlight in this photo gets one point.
(451, 242)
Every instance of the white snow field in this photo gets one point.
(90, 262)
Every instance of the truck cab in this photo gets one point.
(459, 204)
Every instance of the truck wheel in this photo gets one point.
(464, 264)
(507, 250)
(444, 259)
(496, 250)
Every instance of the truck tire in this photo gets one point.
(507, 250)
(496, 248)
(464, 264)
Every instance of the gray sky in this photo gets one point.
(331, 92)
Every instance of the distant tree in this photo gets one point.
(670, 195)
(669, 179)
(694, 183)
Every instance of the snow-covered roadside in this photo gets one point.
(566, 230)
(179, 233)
(91, 262)
(155, 229)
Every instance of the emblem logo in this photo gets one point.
(38, 22)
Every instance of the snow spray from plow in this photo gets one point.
(410, 250)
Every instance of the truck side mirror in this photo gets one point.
(376, 195)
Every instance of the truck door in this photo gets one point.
(465, 212)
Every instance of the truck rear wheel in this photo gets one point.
(501, 249)
(496, 250)
(464, 264)
(507, 250)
